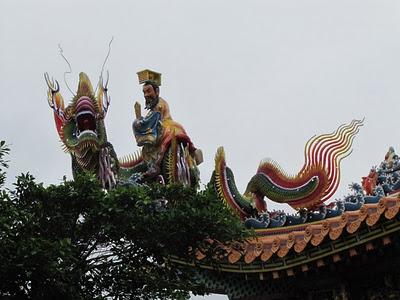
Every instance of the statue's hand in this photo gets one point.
(138, 110)
(137, 124)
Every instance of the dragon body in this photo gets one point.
(315, 183)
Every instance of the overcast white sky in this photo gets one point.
(257, 77)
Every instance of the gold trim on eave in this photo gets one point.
(148, 75)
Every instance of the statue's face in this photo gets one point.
(150, 95)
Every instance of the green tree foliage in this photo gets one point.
(4, 150)
(77, 241)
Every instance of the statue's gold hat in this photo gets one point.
(148, 75)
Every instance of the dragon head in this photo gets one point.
(80, 125)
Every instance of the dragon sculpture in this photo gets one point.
(81, 129)
(82, 132)
(306, 192)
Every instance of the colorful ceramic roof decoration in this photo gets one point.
(321, 233)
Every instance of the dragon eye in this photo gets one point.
(68, 113)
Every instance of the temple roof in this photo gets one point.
(276, 249)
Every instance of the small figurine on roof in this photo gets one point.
(167, 150)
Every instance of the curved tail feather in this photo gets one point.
(225, 187)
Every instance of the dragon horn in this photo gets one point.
(56, 103)
(54, 98)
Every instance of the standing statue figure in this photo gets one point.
(168, 154)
